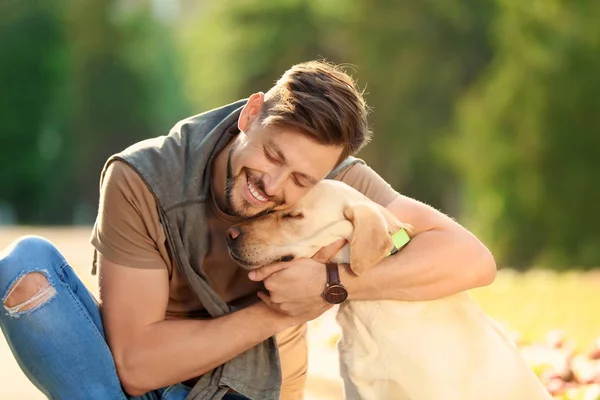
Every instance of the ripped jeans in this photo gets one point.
(57, 335)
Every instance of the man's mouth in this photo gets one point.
(254, 191)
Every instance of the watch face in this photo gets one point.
(335, 294)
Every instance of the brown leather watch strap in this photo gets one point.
(333, 274)
(335, 292)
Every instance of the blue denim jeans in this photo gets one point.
(59, 340)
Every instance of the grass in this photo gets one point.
(536, 302)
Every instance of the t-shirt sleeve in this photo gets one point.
(125, 231)
(364, 179)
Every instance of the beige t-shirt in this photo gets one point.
(128, 232)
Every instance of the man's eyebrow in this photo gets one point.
(313, 181)
(273, 146)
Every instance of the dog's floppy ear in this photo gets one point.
(370, 241)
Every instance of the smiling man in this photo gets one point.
(180, 318)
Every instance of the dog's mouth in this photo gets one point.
(249, 265)
(242, 262)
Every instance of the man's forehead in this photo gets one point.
(285, 136)
(300, 150)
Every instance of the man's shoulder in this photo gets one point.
(121, 183)
(119, 171)
(346, 164)
(352, 174)
(195, 126)
(367, 181)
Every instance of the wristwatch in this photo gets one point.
(335, 292)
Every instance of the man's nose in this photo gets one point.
(273, 184)
(233, 233)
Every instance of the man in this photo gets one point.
(181, 319)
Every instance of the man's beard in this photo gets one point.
(242, 211)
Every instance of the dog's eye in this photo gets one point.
(292, 216)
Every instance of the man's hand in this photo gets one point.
(295, 287)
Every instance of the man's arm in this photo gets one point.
(151, 352)
(441, 259)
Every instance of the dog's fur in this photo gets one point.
(444, 349)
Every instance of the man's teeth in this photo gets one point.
(255, 193)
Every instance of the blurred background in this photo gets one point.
(485, 109)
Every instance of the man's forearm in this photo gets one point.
(173, 351)
(433, 265)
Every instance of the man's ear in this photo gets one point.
(251, 111)
(370, 241)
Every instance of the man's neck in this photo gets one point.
(218, 176)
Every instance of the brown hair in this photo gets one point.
(322, 101)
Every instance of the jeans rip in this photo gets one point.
(30, 291)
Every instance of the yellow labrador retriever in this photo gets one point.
(446, 349)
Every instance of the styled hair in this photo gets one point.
(322, 101)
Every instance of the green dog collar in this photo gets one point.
(400, 239)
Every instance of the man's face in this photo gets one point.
(272, 168)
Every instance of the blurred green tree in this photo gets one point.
(414, 59)
(417, 59)
(124, 87)
(527, 141)
(483, 109)
(80, 81)
(235, 48)
(32, 112)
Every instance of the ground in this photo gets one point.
(536, 306)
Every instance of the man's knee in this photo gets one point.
(28, 253)
(28, 292)
(24, 278)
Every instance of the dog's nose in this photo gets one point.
(233, 233)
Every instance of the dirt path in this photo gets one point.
(323, 383)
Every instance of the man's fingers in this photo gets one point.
(325, 254)
(267, 300)
(261, 273)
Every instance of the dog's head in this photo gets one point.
(331, 210)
